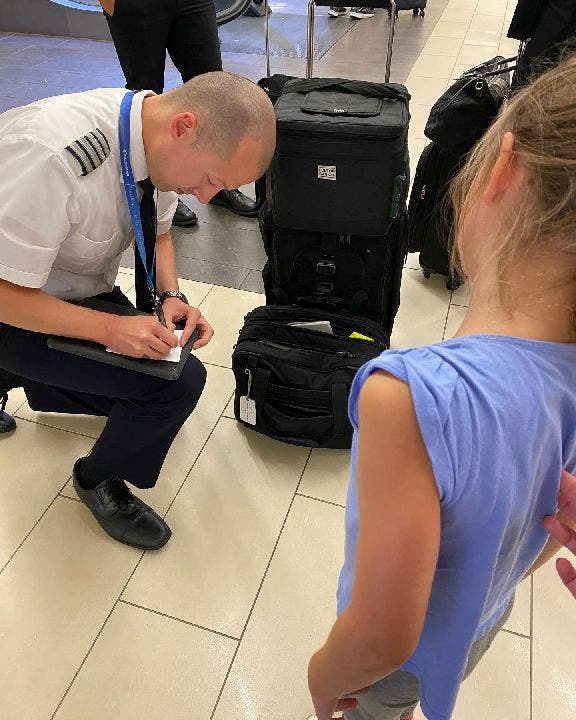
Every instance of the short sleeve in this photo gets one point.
(165, 209)
(432, 384)
(36, 189)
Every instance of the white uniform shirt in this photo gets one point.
(60, 230)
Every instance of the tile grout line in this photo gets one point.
(327, 502)
(177, 619)
(517, 634)
(58, 495)
(119, 598)
(233, 660)
(96, 638)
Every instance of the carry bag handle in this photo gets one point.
(360, 87)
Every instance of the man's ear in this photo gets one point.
(504, 170)
(184, 124)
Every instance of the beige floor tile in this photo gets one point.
(438, 45)
(508, 47)
(291, 619)
(520, 619)
(229, 411)
(482, 21)
(554, 630)
(451, 28)
(225, 520)
(488, 38)
(88, 425)
(492, 7)
(423, 310)
(499, 688)
(194, 291)
(126, 281)
(54, 597)
(475, 54)
(412, 261)
(456, 315)
(461, 296)
(418, 119)
(16, 398)
(188, 442)
(434, 66)
(225, 309)
(147, 666)
(456, 14)
(326, 475)
(425, 91)
(36, 462)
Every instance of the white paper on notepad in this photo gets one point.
(172, 356)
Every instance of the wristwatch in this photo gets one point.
(173, 294)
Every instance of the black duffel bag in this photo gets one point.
(464, 112)
(293, 381)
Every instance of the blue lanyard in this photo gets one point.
(131, 190)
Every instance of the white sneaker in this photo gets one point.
(336, 11)
(359, 13)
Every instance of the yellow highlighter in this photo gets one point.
(359, 336)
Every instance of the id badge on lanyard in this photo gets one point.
(131, 191)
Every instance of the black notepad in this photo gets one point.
(95, 351)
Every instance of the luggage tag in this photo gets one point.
(246, 405)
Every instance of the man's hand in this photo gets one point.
(562, 533)
(140, 336)
(177, 311)
(325, 709)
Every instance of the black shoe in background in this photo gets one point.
(184, 217)
(8, 381)
(121, 514)
(237, 202)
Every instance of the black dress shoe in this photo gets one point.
(184, 217)
(122, 515)
(237, 202)
(8, 381)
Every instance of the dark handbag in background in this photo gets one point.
(467, 108)
(293, 381)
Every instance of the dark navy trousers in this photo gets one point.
(144, 412)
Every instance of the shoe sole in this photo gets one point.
(187, 223)
(358, 16)
(331, 13)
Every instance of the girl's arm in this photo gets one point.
(398, 543)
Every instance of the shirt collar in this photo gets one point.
(137, 154)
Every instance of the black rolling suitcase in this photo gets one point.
(457, 121)
(334, 228)
(418, 7)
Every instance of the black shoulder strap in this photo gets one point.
(360, 87)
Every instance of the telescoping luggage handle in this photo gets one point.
(388, 4)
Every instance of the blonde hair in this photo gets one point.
(542, 118)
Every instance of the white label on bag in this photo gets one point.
(247, 410)
(326, 172)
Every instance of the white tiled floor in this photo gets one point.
(219, 624)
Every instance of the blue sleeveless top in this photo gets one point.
(498, 417)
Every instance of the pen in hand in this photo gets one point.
(160, 312)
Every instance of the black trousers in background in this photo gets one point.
(143, 30)
(144, 412)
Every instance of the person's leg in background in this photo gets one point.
(139, 29)
(194, 48)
